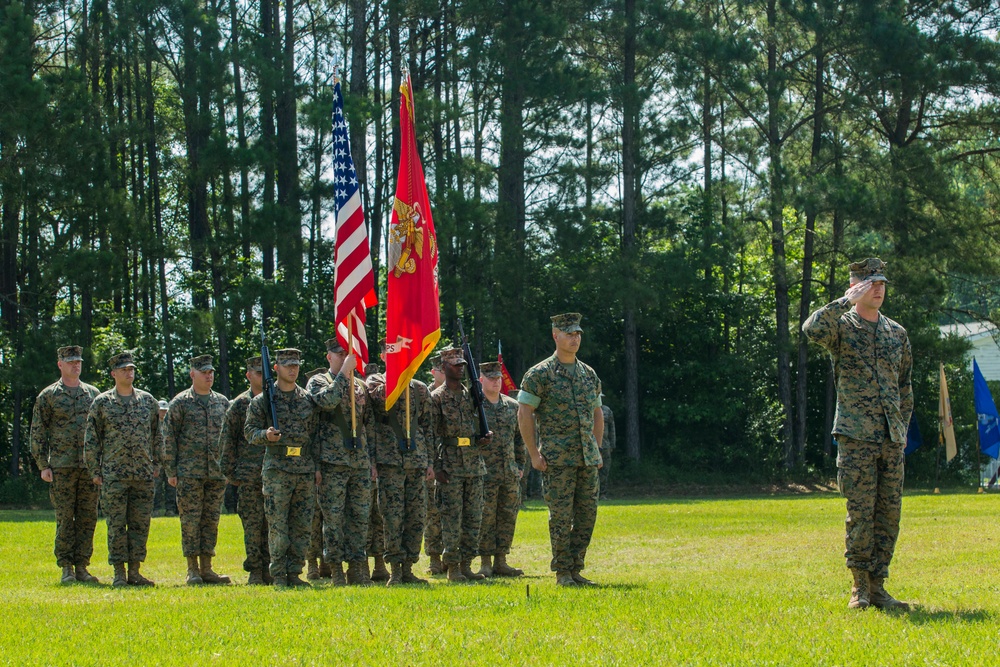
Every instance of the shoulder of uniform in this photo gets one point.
(219, 396)
(89, 388)
(51, 389)
(145, 396)
(587, 368)
(894, 325)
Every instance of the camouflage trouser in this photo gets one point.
(604, 471)
(289, 498)
(403, 498)
(74, 497)
(376, 534)
(432, 522)
(870, 477)
(571, 494)
(250, 507)
(128, 506)
(522, 487)
(165, 497)
(500, 500)
(461, 516)
(199, 502)
(315, 550)
(345, 496)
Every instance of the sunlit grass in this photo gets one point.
(683, 581)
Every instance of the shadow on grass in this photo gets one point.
(921, 615)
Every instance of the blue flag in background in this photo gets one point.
(913, 437)
(986, 413)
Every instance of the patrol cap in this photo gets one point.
(288, 356)
(568, 322)
(162, 404)
(490, 369)
(453, 356)
(333, 345)
(255, 364)
(436, 361)
(372, 368)
(202, 362)
(872, 269)
(70, 353)
(121, 360)
(315, 371)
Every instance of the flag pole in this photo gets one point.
(937, 459)
(407, 414)
(350, 350)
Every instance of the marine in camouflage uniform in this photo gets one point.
(459, 468)
(562, 395)
(404, 467)
(191, 462)
(505, 459)
(123, 450)
(375, 546)
(241, 463)
(345, 493)
(58, 425)
(872, 363)
(316, 567)
(433, 546)
(607, 447)
(290, 472)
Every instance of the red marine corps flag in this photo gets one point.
(508, 387)
(413, 317)
(353, 277)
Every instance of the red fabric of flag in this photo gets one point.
(413, 317)
(354, 278)
(508, 386)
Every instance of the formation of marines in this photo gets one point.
(337, 480)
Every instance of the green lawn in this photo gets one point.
(684, 581)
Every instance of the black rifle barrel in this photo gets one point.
(476, 386)
(268, 374)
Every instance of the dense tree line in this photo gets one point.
(692, 176)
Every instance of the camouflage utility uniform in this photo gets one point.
(505, 459)
(124, 447)
(607, 447)
(58, 425)
(345, 493)
(241, 464)
(192, 427)
(564, 398)
(872, 365)
(460, 459)
(402, 467)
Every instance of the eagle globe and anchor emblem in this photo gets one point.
(407, 237)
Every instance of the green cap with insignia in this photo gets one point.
(203, 362)
(436, 361)
(70, 353)
(568, 322)
(453, 356)
(872, 269)
(289, 356)
(490, 369)
(121, 360)
(333, 345)
(315, 371)
(255, 364)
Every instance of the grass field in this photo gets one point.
(683, 581)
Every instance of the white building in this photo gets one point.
(983, 336)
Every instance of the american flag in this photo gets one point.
(353, 276)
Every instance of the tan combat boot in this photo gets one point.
(256, 578)
(580, 579)
(455, 573)
(860, 591)
(486, 566)
(295, 581)
(83, 575)
(565, 579)
(379, 573)
(468, 573)
(436, 566)
(67, 575)
(280, 581)
(194, 573)
(135, 577)
(324, 569)
(208, 575)
(356, 573)
(397, 575)
(312, 571)
(409, 577)
(121, 580)
(337, 577)
(502, 569)
(266, 574)
(880, 598)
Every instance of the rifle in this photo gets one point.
(476, 386)
(268, 374)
